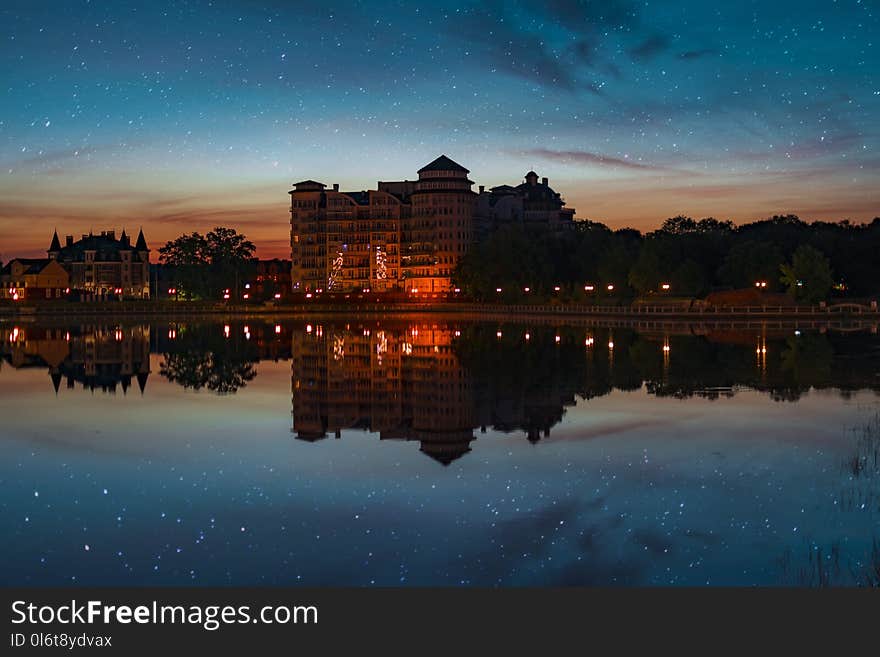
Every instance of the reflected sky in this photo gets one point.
(631, 485)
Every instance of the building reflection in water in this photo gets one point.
(439, 381)
(402, 382)
(97, 357)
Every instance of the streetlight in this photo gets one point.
(761, 284)
(589, 288)
(610, 287)
(665, 287)
(556, 288)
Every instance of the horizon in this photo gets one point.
(285, 254)
(177, 117)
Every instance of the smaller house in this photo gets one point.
(33, 279)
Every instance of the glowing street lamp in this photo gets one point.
(761, 284)
(665, 287)
(610, 287)
(498, 290)
(527, 290)
(556, 288)
(589, 288)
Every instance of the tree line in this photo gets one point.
(685, 257)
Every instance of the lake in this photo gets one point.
(426, 450)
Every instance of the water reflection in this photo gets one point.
(97, 357)
(438, 382)
(592, 454)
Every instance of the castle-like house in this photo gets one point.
(102, 264)
(405, 235)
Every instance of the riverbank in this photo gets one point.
(636, 311)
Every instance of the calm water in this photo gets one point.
(436, 452)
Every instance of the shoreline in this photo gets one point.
(825, 313)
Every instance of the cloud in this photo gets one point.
(697, 54)
(60, 156)
(587, 157)
(558, 44)
(650, 47)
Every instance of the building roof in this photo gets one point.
(56, 243)
(141, 242)
(106, 247)
(538, 192)
(361, 198)
(32, 265)
(306, 184)
(443, 163)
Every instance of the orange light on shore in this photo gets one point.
(589, 288)
(761, 284)
(556, 288)
(610, 287)
(527, 289)
(665, 287)
(498, 289)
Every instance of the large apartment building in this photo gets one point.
(405, 236)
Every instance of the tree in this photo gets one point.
(808, 277)
(207, 264)
(203, 358)
(750, 261)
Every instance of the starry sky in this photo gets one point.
(179, 116)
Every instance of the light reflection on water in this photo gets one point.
(431, 451)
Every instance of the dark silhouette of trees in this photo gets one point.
(202, 358)
(808, 276)
(692, 256)
(205, 265)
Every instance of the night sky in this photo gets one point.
(179, 116)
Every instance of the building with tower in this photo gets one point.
(532, 205)
(104, 265)
(406, 236)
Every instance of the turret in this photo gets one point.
(55, 247)
(141, 244)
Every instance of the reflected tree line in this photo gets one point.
(199, 357)
(513, 362)
(542, 368)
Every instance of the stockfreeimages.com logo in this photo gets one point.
(209, 617)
